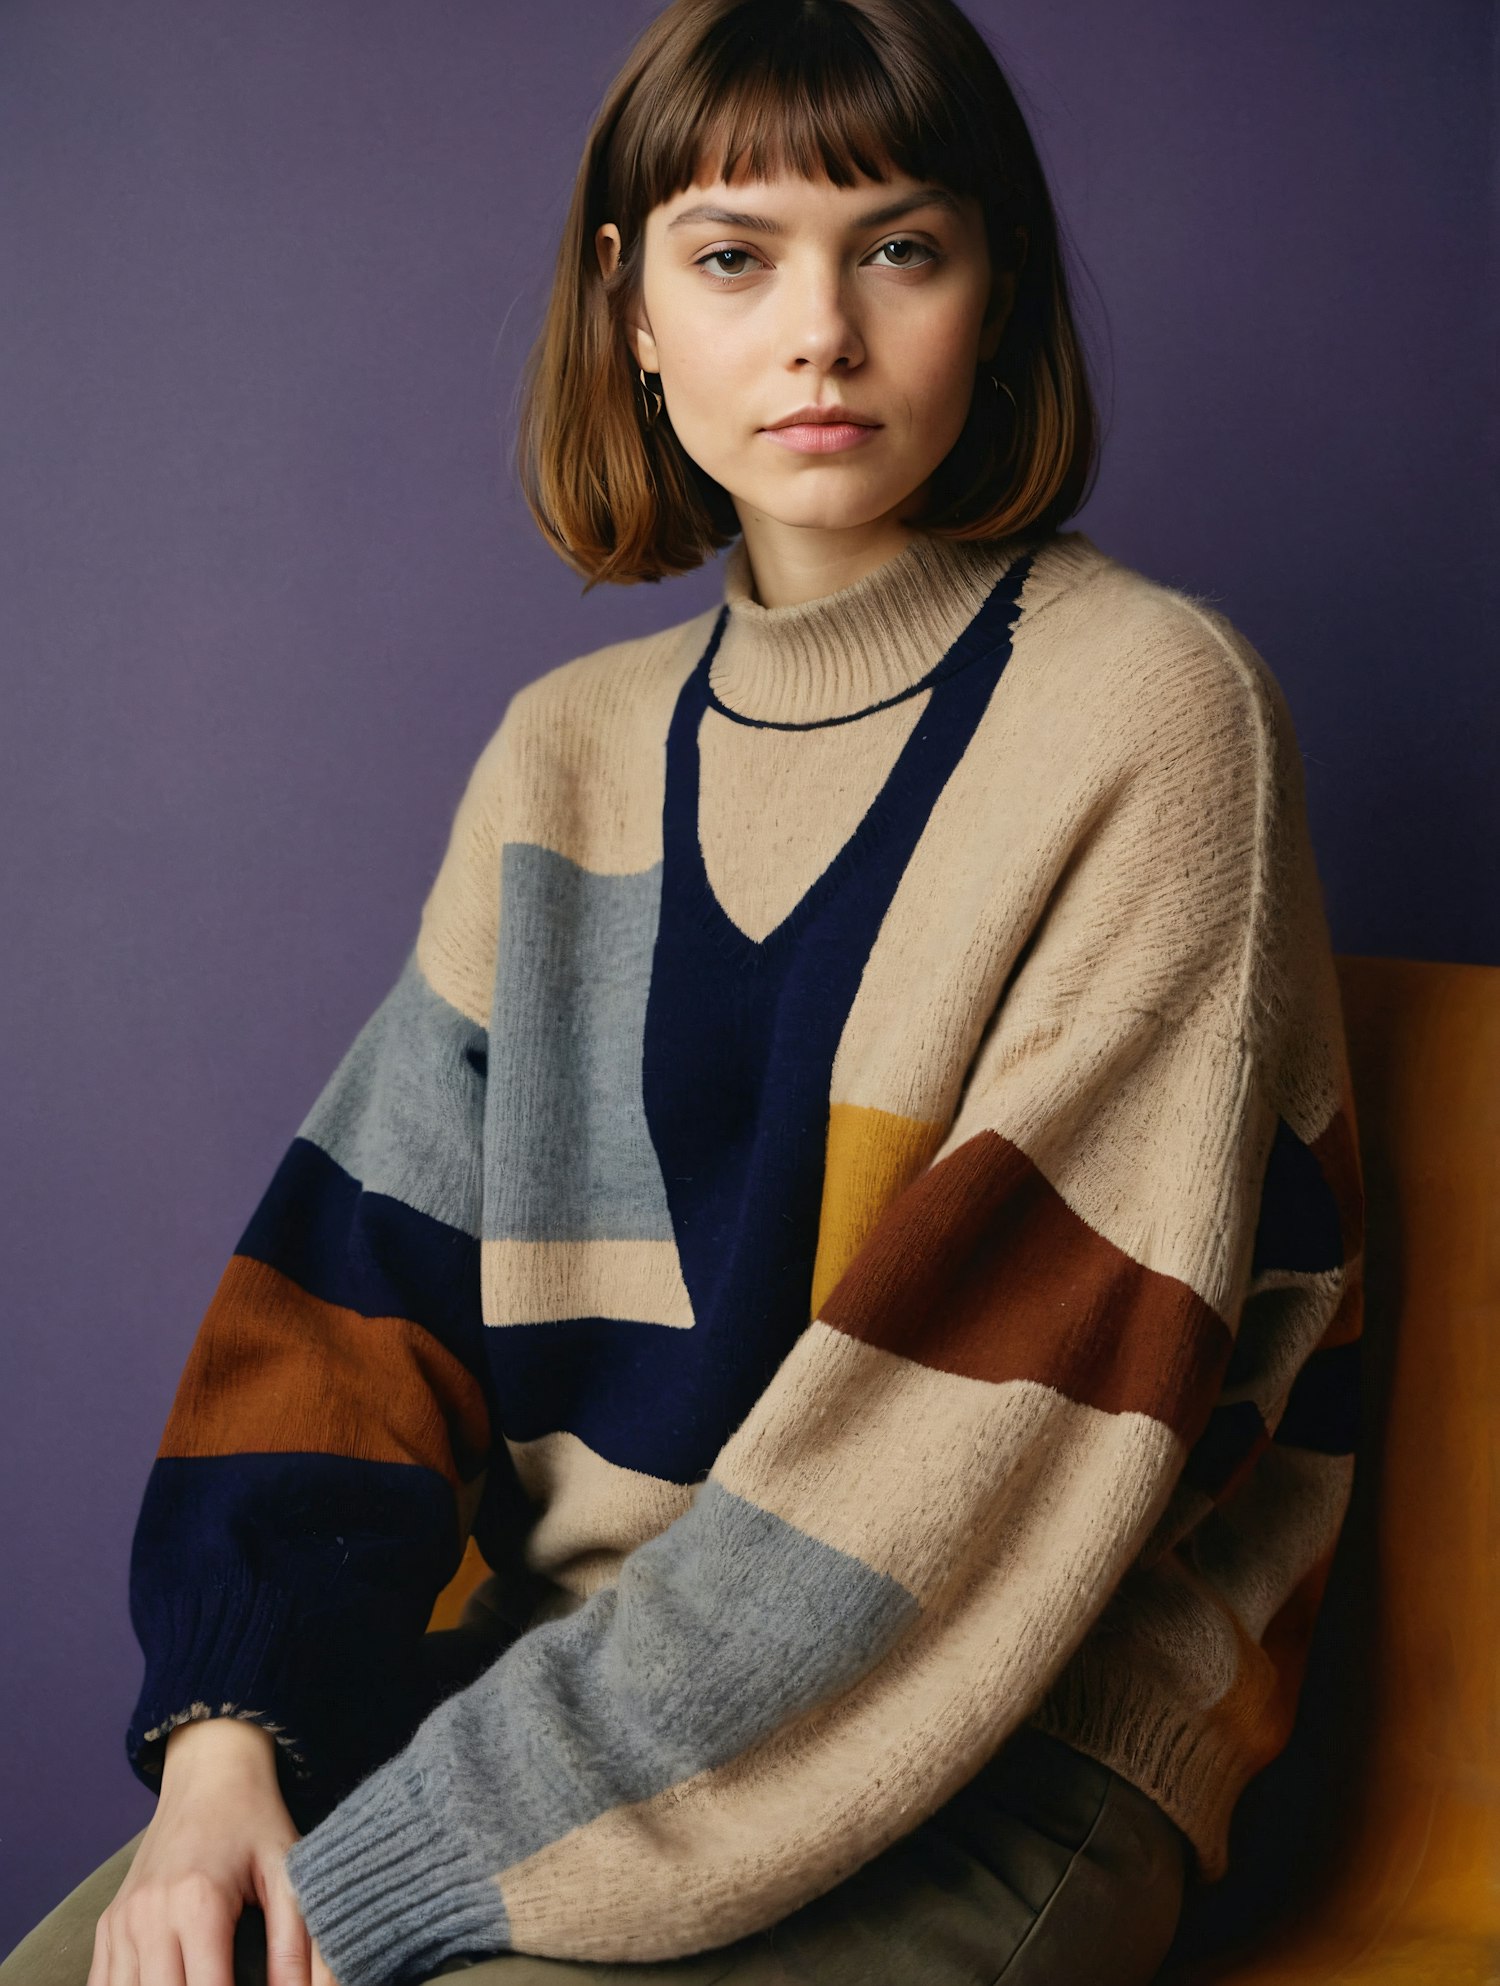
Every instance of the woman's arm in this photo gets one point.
(326, 1449)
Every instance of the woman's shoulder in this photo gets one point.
(577, 737)
(617, 675)
(591, 703)
(1164, 671)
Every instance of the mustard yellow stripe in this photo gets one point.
(871, 1155)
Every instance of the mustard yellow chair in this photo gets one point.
(1368, 1852)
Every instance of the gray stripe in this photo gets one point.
(404, 1110)
(571, 1158)
(723, 1627)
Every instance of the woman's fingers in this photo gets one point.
(206, 1934)
(124, 1965)
(321, 1976)
(137, 1946)
(288, 1958)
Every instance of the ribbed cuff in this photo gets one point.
(222, 1649)
(338, 1697)
(1166, 1747)
(387, 1891)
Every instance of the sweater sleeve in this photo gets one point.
(960, 1457)
(329, 1439)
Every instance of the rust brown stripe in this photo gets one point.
(274, 1370)
(979, 1267)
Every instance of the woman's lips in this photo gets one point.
(821, 437)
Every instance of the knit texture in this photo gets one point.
(853, 1203)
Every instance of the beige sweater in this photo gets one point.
(884, 1058)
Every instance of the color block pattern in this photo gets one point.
(855, 1201)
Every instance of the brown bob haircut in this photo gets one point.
(837, 89)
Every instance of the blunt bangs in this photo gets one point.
(800, 90)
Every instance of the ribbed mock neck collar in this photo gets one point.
(853, 649)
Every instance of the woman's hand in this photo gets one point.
(214, 1844)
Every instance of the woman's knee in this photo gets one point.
(1114, 1914)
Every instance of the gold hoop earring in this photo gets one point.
(1000, 387)
(650, 393)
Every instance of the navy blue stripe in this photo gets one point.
(645, 1396)
(369, 1253)
(1323, 1407)
(1232, 1432)
(1298, 1226)
(309, 1583)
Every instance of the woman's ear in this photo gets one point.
(642, 344)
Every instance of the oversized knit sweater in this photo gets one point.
(853, 1203)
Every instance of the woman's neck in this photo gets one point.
(790, 566)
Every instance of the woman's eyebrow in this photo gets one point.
(927, 196)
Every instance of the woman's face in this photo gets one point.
(768, 297)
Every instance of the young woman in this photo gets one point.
(851, 1203)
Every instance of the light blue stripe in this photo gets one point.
(724, 1626)
(571, 1158)
(403, 1112)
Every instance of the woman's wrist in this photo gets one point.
(217, 1745)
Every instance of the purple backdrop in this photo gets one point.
(267, 274)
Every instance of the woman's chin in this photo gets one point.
(806, 508)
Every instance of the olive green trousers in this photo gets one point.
(1046, 1869)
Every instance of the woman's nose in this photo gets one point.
(822, 328)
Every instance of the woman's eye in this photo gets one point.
(902, 242)
(716, 255)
